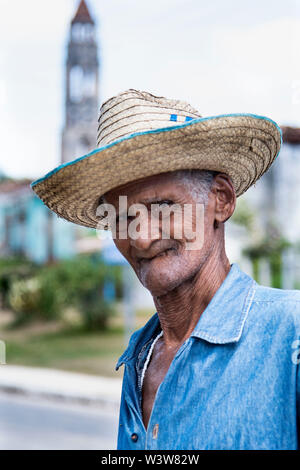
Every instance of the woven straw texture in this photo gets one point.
(140, 135)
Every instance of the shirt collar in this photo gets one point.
(223, 319)
(139, 339)
(221, 322)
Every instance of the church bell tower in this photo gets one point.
(81, 87)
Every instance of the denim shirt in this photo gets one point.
(233, 384)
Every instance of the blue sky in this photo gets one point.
(221, 56)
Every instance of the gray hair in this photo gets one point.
(199, 182)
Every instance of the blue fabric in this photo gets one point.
(173, 117)
(233, 384)
(189, 118)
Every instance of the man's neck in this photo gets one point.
(180, 309)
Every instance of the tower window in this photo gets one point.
(82, 83)
(89, 83)
(76, 83)
(82, 32)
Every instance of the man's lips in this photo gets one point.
(161, 254)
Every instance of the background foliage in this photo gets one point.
(34, 292)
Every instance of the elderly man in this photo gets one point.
(217, 366)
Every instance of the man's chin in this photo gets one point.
(158, 290)
(159, 280)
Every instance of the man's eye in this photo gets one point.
(165, 203)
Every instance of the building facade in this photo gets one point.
(27, 227)
(81, 87)
(274, 202)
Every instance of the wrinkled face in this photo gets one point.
(162, 256)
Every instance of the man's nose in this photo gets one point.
(148, 232)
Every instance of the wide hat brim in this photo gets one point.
(241, 145)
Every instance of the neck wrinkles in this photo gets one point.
(180, 310)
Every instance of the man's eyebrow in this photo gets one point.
(152, 200)
(144, 201)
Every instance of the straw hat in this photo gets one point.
(140, 134)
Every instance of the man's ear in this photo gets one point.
(225, 197)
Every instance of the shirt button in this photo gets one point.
(155, 431)
(134, 437)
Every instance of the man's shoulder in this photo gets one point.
(272, 294)
(281, 304)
